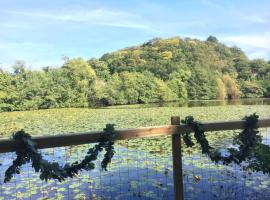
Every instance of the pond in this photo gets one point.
(202, 103)
(141, 168)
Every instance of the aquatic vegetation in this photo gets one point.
(141, 168)
(56, 121)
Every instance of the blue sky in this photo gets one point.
(41, 32)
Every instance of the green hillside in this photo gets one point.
(156, 71)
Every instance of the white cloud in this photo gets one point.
(210, 3)
(15, 45)
(259, 54)
(15, 25)
(74, 15)
(35, 54)
(102, 17)
(260, 41)
(254, 45)
(257, 19)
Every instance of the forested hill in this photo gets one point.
(156, 71)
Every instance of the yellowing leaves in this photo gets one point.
(167, 55)
(3, 95)
(221, 90)
(233, 91)
(175, 41)
(227, 88)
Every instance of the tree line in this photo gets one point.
(159, 70)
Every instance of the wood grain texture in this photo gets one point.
(50, 141)
(177, 162)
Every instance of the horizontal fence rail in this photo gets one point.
(175, 129)
(50, 141)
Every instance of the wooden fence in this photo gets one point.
(175, 129)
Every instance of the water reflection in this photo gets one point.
(198, 103)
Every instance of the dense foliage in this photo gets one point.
(157, 71)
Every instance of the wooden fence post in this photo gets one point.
(177, 162)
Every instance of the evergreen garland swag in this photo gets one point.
(27, 152)
(248, 150)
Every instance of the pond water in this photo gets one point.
(141, 168)
(201, 103)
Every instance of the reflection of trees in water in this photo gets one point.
(203, 103)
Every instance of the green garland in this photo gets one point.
(27, 152)
(249, 150)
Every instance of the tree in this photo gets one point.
(101, 68)
(201, 85)
(114, 94)
(156, 71)
(221, 90)
(82, 78)
(163, 92)
(251, 89)
(6, 92)
(138, 87)
(243, 69)
(232, 87)
(212, 39)
(19, 67)
(259, 68)
(178, 83)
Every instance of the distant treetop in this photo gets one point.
(212, 39)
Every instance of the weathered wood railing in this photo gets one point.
(175, 129)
